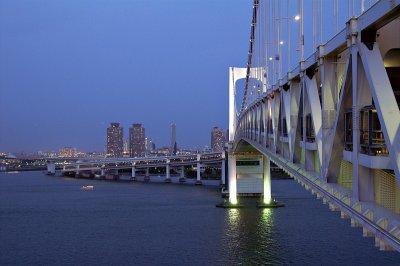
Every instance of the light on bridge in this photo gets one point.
(233, 198)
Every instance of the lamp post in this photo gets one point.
(281, 42)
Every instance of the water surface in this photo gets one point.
(50, 221)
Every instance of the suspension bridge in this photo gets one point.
(330, 120)
(321, 100)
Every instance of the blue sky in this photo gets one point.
(69, 68)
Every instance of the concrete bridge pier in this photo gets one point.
(223, 170)
(51, 168)
(116, 175)
(267, 180)
(77, 173)
(133, 177)
(182, 177)
(198, 180)
(232, 182)
(147, 175)
(267, 201)
(167, 172)
(102, 173)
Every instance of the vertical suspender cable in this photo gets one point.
(288, 35)
(301, 31)
(280, 40)
(313, 24)
(273, 43)
(268, 44)
(348, 9)
(320, 22)
(335, 14)
(362, 6)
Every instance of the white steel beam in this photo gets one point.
(286, 103)
(315, 106)
(328, 81)
(385, 102)
(336, 139)
(295, 92)
(275, 107)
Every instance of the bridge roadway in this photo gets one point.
(332, 123)
(109, 165)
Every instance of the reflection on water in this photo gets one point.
(234, 217)
(266, 216)
(249, 238)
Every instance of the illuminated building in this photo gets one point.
(67, 152)
(126, 152)
(115, 143)
(173, 147)
(217, 139)
(150, 146)
(137, 141)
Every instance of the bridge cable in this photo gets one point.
(250, 54)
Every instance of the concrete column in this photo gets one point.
(92, 172)
(198, 181)
(147, 175)
(356, 113)
(223, 170)
(167, 173)
(232, 178)
(51, 168)
(102, 173)
(77, 171)
(267, 180)
(134, 173)
(182, 177)
(116, 175)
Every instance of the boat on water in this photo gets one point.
(87, 187)
(12, 172)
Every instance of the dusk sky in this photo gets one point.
(69, 68)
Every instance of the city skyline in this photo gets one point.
(87, 63)
(95, 63)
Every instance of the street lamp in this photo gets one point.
(281, 42)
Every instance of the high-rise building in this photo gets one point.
(150, 146)
(217, 139)
(137, 141)
(126, 152)
(173, 147)
(115, 143)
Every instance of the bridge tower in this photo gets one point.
(249, 172)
